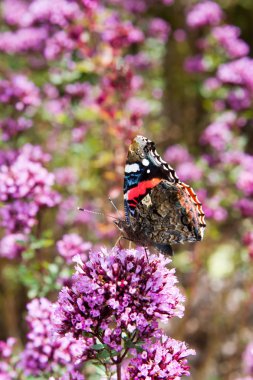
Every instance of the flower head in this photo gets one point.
(118, 292)
(71, 245)
(204, 13)
(165, 359)
(44, 351)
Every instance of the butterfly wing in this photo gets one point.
(144, 170)
(159, 208)
(169, 214)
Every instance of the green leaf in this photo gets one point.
(98, 347)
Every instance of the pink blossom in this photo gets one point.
(204, 13)
(227, 37)
(71, 245)
(118, 291)
(165, 359)
(12, 245)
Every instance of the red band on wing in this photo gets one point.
(141, 188)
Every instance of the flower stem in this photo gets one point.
(119, 371)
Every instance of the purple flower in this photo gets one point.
(218, 135)
(14, 11)
(71, 245)
(245, 182)
(65, 176)
(248, 359)
(177, 154)
(188, 171)
(7, 372)
(11, 127)
(158, 28)
(59, 43)
(25, 178)
(204, 13)
(211, 84)
(245, 206)
(195, 64)
(227, 37)
(165, 359)
(121, 34)
(23, 40)
(239, 99)
(58, 12)
(118, 292)
(78, 133)
(239, 72)
(19, 91)
(44, 351)
(12, 245)
(19, 216)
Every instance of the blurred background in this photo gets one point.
(78, 80)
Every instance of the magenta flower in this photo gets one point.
(227, 38)
(7, 372)
(11, 127)
(165, 359)
(177, 154)
(25, 178)
(121, 34)
(44, 351)
(65, 176)
(158, 28)
(23, 40)
(239, 72)
(71, 245)
(248, 359)
(12, 245)
(118, 293)
(19, 91)
(19, 216)
(204, 13)
(195, 64)
(218, 135)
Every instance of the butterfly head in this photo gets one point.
(139, 149)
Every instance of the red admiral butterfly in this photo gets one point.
(159, 209)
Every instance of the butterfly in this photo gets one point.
(160, 210)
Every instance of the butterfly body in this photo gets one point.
(160, 210)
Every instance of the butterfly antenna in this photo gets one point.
(95, 212)
(114, 206)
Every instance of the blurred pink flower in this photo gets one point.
(159, 29)
(204, 13)
(12, 245)
(71, 245)
(227, 37)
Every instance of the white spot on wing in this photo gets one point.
(132, 168)
(145, 162)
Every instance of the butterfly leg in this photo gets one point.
(146, 253)
(117, 244)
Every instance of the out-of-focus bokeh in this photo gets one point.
(78, 80)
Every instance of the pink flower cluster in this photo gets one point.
(6, 352)
(165, 359)
(204, 13)
(71, 245)
(118, 296)
(44, 352)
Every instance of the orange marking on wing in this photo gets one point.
(142, 187)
